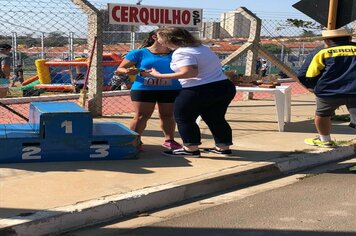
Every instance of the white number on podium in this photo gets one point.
(29, 153)
(101, 151)
(68, 125)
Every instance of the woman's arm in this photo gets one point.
(126, 67)
(184, 72)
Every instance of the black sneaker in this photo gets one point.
(216, 151)
(352, 125)
(181, 153)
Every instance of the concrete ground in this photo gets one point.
(42, 198)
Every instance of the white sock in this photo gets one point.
(222, 148)
(325, 138)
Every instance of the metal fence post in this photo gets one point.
(132, 38)
(70, 46)
(95, 85)
(14, 51)
(42, 46)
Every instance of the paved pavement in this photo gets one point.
(42, 198)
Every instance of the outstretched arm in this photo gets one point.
(184, 72)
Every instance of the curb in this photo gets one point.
(63, 219)
(299, 161)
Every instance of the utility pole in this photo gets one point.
(332, 14)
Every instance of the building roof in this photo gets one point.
(218, 46)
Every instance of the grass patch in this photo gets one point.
(345, 118)
(343, 143)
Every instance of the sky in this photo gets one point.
(46, 16)
(212, 9)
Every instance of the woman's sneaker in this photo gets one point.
(171, 144)
(216, 151)
(181, 153)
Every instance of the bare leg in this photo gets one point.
(323, 125)
(168, 124)
(143, 112)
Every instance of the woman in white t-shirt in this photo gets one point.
(206, 92)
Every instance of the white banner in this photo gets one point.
(124, 14)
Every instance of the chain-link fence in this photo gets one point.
(53, 38)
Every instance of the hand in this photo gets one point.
(153, 72)
(145, 72)
(132, 71)
(126, 71)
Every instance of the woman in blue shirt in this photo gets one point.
(147, 91)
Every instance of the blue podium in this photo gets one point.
(64, 131)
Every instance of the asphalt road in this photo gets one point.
(312, 204)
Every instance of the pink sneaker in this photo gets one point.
(171, 144)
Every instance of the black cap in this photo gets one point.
(5, 46)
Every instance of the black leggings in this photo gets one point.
(210, 101)
(155, 96)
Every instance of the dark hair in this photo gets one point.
(179, 37)
(340, 39)
(5, 46)
(149, 41)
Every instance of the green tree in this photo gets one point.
(308, 33)
(308, 26)
(55, 39)
(275, 49)
(303, 24)
(79, 41)
(29, 40)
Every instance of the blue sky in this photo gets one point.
(263, 8)
(30, 16)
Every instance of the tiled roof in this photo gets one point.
(220, 46)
